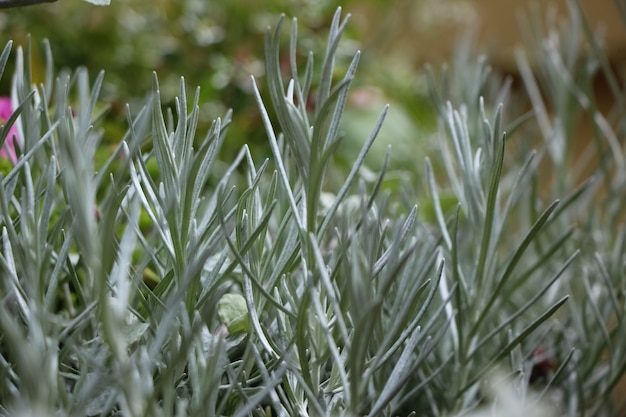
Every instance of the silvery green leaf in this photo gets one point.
(133, 332)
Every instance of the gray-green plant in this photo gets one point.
(205, 287)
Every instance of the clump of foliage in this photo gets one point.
(166, 281)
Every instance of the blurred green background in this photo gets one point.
(217, 46)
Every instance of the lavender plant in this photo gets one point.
(165, 281)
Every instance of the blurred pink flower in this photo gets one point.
(8, 149)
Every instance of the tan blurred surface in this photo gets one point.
(431, 28)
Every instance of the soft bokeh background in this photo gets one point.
(217, 45)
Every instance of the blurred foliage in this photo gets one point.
(217, 46)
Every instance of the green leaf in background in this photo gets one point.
(133, 332)
(233, 313)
